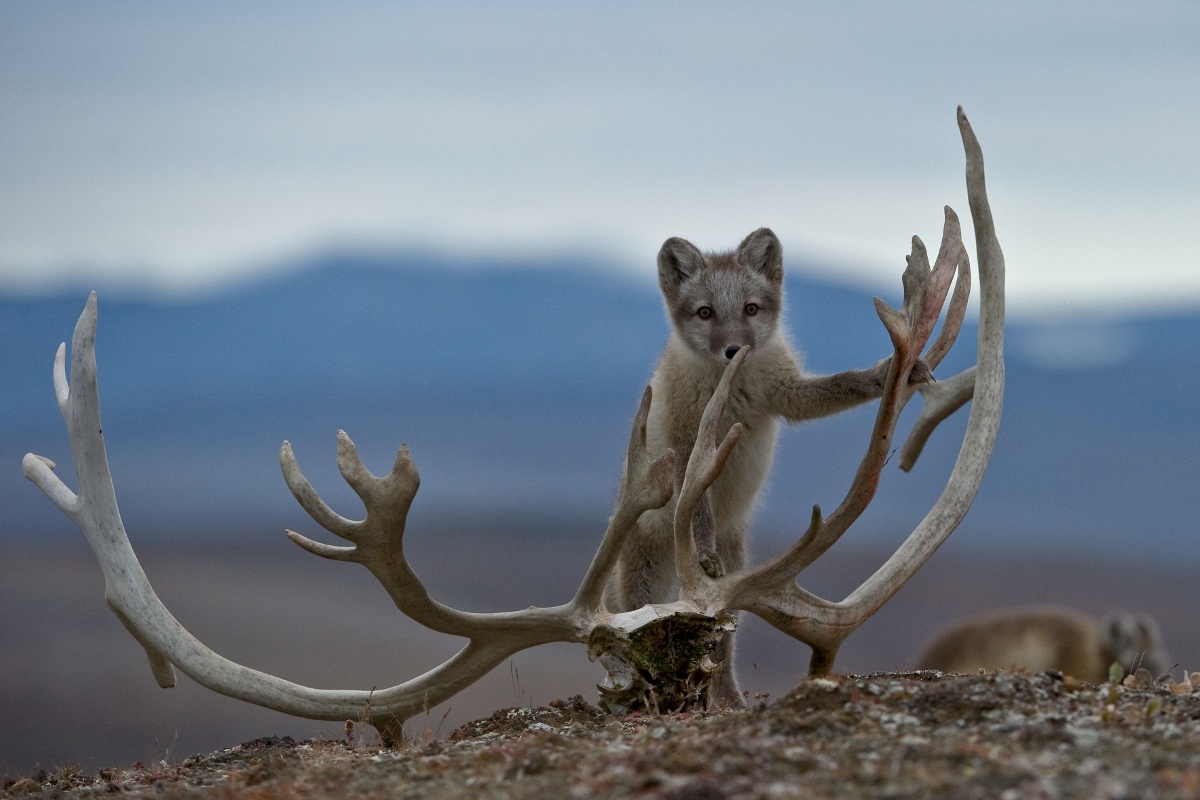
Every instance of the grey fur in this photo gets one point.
(717, 303)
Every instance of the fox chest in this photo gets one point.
(735, 492)
(673, 424)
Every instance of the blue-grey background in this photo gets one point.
(514, 387)
(435, 223)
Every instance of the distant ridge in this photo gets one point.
(514, 388)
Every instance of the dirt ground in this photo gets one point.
(895, 735)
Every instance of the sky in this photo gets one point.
(177, 147)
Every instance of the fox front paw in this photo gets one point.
(921, 373)
(710, 562)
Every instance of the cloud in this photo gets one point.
(187, 145)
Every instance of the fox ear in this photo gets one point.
(678, 260)
(1119, 624)
(1147, 631)
(762, 252)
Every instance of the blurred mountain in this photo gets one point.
(514, 387)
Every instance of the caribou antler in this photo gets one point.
(377, 543)
(770, 590)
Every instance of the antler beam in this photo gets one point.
(378, 545)
(770, 590)
(377, 540)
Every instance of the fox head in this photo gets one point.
(1135, 641)
(719, 302)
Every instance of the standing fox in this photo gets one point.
(718, 303)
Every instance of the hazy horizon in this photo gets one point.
(601, 265)
(183, 147)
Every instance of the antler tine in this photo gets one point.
(379, 539)
(925, 291)
(647, 485)
(395, 490)
(80, 407)
(824, 625)
(62, 389)
(386, 499)
(404, 471)
(351, 465)
(940, 277)
(941, 400)
(330, 551)
(902, 323)
(40, 470)
(705, 464)
(894, 320)
(83, 361)
(94, 507)
(955, 313)
(312, 503)
(651, 480)
(915, 281)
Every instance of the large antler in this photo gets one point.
(377, 545)
(770, 590)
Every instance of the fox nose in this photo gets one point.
(732, 351)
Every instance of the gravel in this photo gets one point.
(895, 735)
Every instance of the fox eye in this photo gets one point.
(751, 309)
(704, 312)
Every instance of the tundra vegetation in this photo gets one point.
(644, 673)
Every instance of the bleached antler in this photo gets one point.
(378, 545)
(770, 590)
(376, 541)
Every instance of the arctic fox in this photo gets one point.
(718, 303)
(1048, 638)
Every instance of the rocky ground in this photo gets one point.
(889, 735)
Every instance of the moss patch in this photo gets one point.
(665, 666)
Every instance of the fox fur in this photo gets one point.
(1038, 639)
(718, 303)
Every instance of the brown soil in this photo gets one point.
(890, 735)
